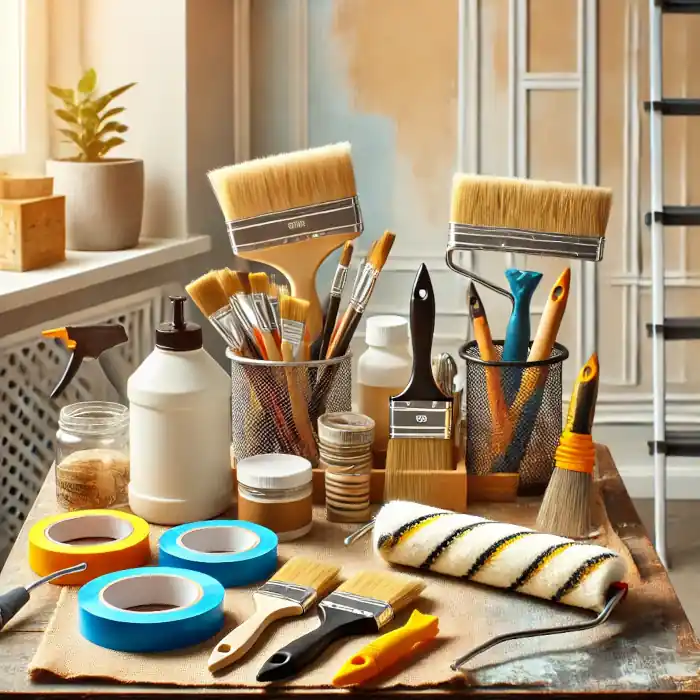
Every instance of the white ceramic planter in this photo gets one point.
(104, 202)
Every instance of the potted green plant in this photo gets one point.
(104, 196)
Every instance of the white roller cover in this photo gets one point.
(497, 554)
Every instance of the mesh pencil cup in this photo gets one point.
(264, 416)
(523, 437)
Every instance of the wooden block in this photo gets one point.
(448, 488)
(493, 488)
(25, 187)
(32, 233)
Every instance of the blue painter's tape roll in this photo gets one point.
(119, 610)
(234, 552)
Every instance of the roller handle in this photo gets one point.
(335, 624)
(11, 603)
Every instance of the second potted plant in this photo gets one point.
(104, 196)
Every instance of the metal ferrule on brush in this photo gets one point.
(339, 280)
(364, 285)
(247, 309)
(294, 225)
(380, 610)
(421, 419)
(263, 312)
(292, 333)
(225, 322)
(290, 591)
(275, 308)
(505, 240)
(242, 317)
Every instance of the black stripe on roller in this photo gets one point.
(391, 539)
(580, 574)
(537, 563)
(440, 549)
(494, 549)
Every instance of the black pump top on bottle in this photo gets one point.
(178, 335)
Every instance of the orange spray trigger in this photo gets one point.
(60, 334)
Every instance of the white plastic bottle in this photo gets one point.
(383, 371)
(179, 429)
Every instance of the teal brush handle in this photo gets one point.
(522, 284)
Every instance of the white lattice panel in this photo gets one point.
(30, 366)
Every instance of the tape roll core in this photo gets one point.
(162, 590)
(219, 540)
(100, 527)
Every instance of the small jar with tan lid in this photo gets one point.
(345, 452)
(276, 491)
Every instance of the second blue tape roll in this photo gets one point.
(234, 552)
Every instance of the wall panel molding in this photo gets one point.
(299, 74)
(241, 80)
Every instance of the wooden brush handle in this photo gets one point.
(271, 349)
(239, 641)
(299, 263)
(300, 411)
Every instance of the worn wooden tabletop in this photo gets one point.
(655, 651)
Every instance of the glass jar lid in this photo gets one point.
(274, 471)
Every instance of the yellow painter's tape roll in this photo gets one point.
(106, 540)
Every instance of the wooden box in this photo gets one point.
(32, 232)
(12, 187)
(449, 487)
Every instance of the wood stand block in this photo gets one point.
(493, 488)
(25, 187)
(32, 233)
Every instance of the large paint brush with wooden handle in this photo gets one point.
(291, 211)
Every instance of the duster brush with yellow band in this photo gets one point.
(566, 506)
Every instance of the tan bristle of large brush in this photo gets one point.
(566, 505)
(208, 293)
(309, 573)
(294, 309)
(230, 282)
(259, 283)
(533, 205)
(285, 181)
(398, 590)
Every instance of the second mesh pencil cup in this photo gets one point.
(513, 415)
(275, 405)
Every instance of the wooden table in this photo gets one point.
(657, 651)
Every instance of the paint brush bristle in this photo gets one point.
(530, 205)
(244, 277)
(208, 293)
(380, 252)
(310, 574)
(281, 182)
(294, 309)
(230, 281)
(398, 590)
(346, 254)
(259, 283)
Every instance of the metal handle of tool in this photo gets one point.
(360, 532)
(475, 278)
(620, 592)
(13, 601)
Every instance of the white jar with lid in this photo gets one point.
(383, 371)
(276, 491)
(180, 428)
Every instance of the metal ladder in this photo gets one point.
(666, 443)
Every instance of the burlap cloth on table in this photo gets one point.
(469, 615)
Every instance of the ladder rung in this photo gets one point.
(680, 6)
(678, 443)
(676, 216)
(677, 328)
(675, 106)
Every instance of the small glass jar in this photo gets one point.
(276, 491)
(92, 456)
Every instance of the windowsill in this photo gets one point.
(85, 269)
